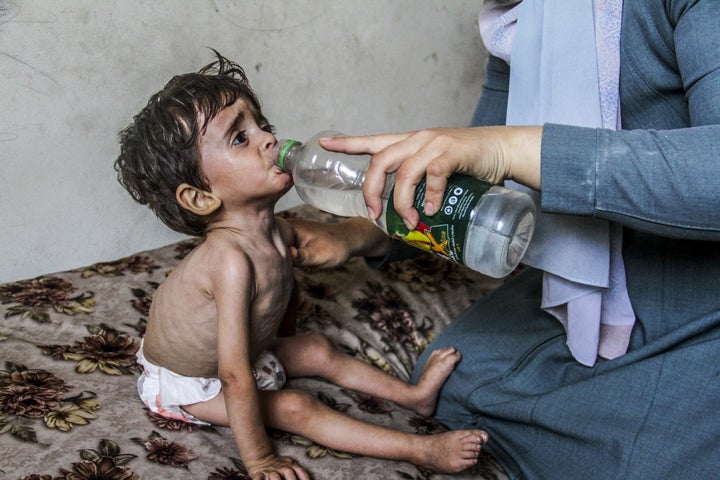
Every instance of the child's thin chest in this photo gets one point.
(274, 286)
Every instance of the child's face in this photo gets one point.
(237, 157)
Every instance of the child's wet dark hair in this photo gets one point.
(159, 150)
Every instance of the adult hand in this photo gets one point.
(490, 153)
(272, 467)
(330, 245)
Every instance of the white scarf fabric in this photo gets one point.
(565, 63)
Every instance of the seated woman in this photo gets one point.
(619, 379)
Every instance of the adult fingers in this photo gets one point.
(305, 257)
(420, 156)
(318, 254)
(395, 158)
(385, 160)
(448, 151)
(436, 176)
(368, 144)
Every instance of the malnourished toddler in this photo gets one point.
(219, 345)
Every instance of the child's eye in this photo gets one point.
(239, 139)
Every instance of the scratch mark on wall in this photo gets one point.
(274, 29)
(32, 89)
(262, 16)
(12, 10)
(5, 9)
(24, 63)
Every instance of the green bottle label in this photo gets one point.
(444, 233)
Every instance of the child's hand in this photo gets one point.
(272, 467)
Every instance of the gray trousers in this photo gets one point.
(653, 413)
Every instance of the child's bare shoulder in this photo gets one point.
(218, 258)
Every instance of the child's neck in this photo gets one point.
(245, 221)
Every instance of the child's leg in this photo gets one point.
(315, 355)
(301, 413)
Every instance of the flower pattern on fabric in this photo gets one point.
(34, 298)
(133, 264)
(162, 451)
(38, 394)
(107, 349)
(105, 463)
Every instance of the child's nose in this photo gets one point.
(268, 141)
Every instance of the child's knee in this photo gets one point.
(298, 406)
(322, 349)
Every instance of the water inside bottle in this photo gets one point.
(346, 203)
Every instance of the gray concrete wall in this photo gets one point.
(74, 72)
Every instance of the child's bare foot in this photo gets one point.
(451, 452)
(436, 370)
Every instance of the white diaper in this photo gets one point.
(164, 391)
(268, 372)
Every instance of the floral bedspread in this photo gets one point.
(68, 404)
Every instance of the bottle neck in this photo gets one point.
(284, 154)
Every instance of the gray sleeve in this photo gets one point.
(662, 182)
(661, 175)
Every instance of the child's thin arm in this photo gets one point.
(233, 291)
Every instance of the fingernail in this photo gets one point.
(371, 214)
(429, 208)
(408, 224)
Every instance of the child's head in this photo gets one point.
(159, 150)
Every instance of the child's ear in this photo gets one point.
(200, 202)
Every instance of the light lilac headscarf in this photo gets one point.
(565, 63)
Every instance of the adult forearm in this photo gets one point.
(365, 239)
(521, 151)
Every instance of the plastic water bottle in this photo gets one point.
(483, 226)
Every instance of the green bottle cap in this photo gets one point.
(283, 153)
